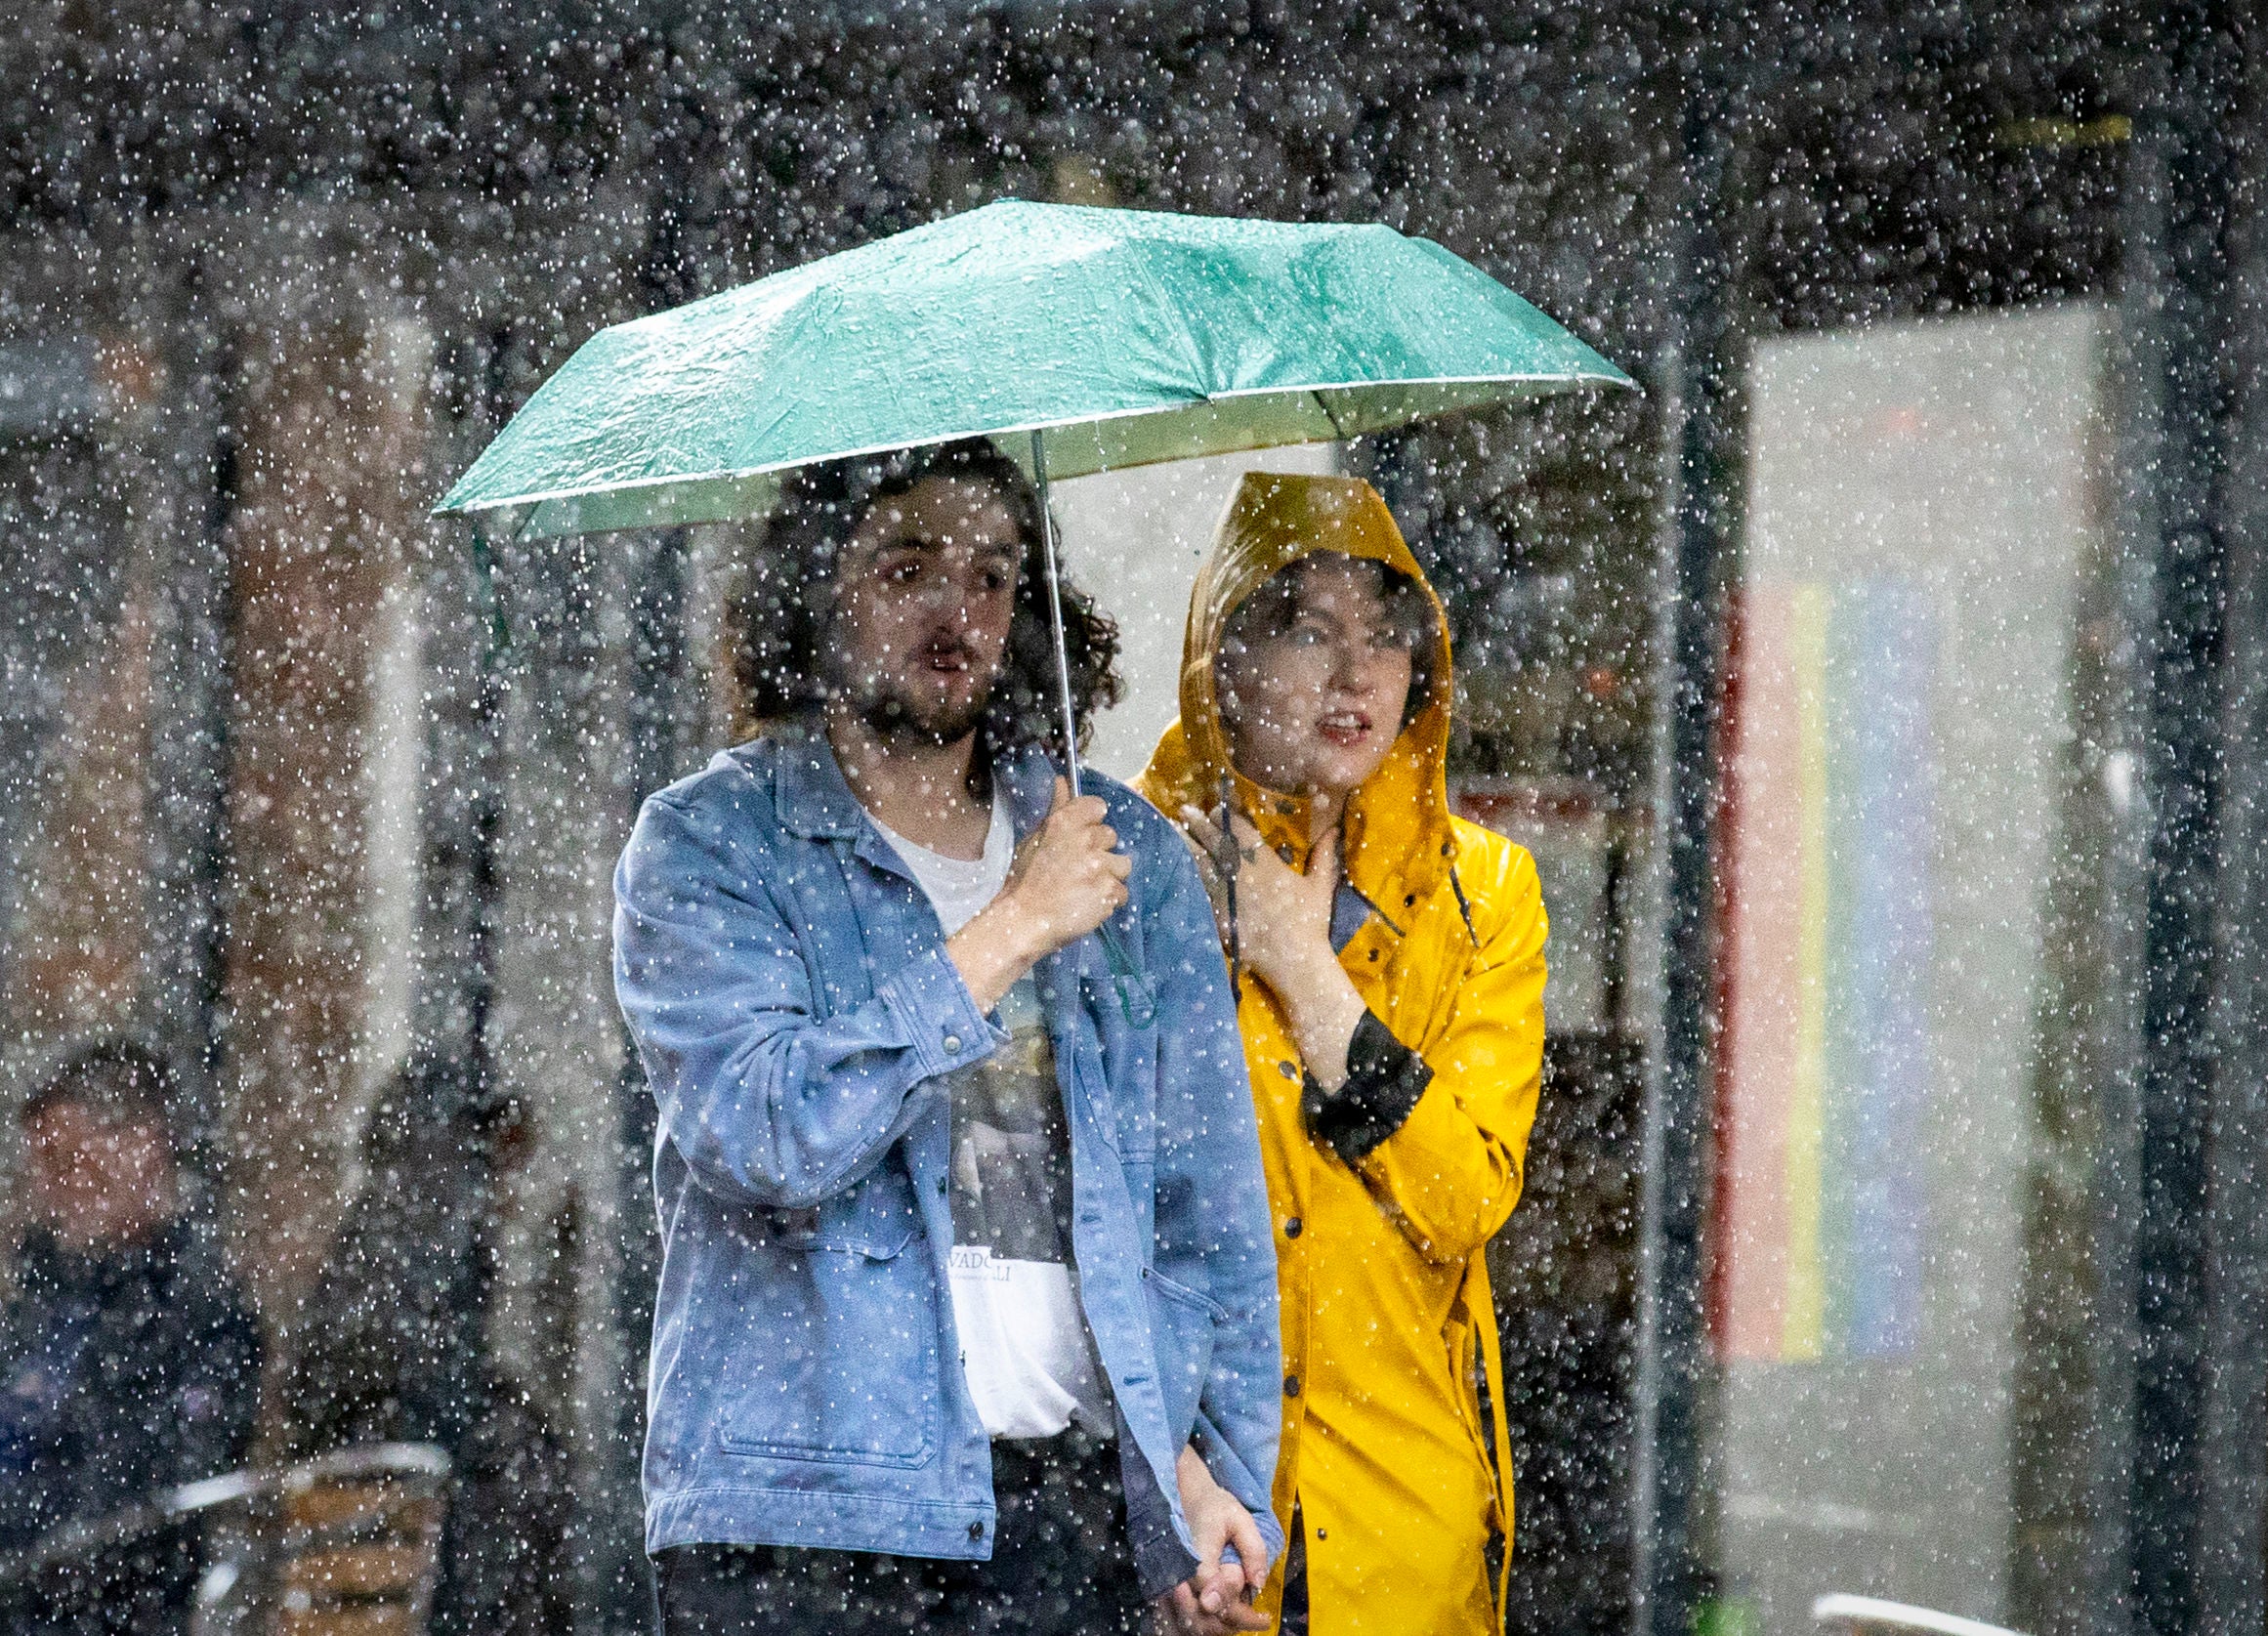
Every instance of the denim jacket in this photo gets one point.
(787, 987)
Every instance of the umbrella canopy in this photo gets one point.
(1126, 337)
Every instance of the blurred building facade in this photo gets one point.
(311, 791)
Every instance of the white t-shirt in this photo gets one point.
(1029, 1361)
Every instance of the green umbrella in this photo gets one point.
(1096, 339)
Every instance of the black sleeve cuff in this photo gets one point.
(1384, 1080)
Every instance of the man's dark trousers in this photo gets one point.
(1059, 1566)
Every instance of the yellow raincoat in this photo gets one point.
(1381, 1267)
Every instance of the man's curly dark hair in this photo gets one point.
(777, 620)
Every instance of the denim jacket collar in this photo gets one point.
(815, 800)
(1028, 778)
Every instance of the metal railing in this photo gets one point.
(344, 1545)
(1868, 1616)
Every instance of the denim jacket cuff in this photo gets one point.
(940, 1015)
(1162, 1559)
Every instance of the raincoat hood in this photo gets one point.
(1397, 834)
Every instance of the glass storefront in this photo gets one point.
(1909, 786)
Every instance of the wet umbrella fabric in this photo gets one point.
(1080, 339)
(1129, 337)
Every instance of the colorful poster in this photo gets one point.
(1825, 1065)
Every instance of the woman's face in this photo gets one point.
(1314, 710)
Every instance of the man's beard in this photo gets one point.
(890, 713)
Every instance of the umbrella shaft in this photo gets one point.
(1070, 732)
(1124, 972)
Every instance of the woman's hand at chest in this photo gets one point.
(1283, 935)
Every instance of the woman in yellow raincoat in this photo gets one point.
(1389, 959)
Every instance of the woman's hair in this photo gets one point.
(1273, 607)
(777, 621)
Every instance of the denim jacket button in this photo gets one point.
(976, 1531)
(952, 1043)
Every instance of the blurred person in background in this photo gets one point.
(129, 1362)
(1389, 963)
(394, 1346)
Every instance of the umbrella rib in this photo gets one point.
(1553, 380)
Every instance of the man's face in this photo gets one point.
(98, 1180)
(923, 604)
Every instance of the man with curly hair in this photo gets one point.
(967, 1313)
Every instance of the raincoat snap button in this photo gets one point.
(1287, 807)
(1374, 954)
(976, 1531)
(1291, 1386)
(1407, 899)
(1291, 1227)
(1288, 1071)
(1287, 851)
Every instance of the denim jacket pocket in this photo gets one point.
(841, 1365)
(1182, 1324)
(1125, 1047)
(868, 1221)
(854, 1239)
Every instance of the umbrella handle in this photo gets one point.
(1071, 720)
(1225, 864)
(1133, 992)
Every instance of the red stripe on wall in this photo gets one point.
(1760, 957)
